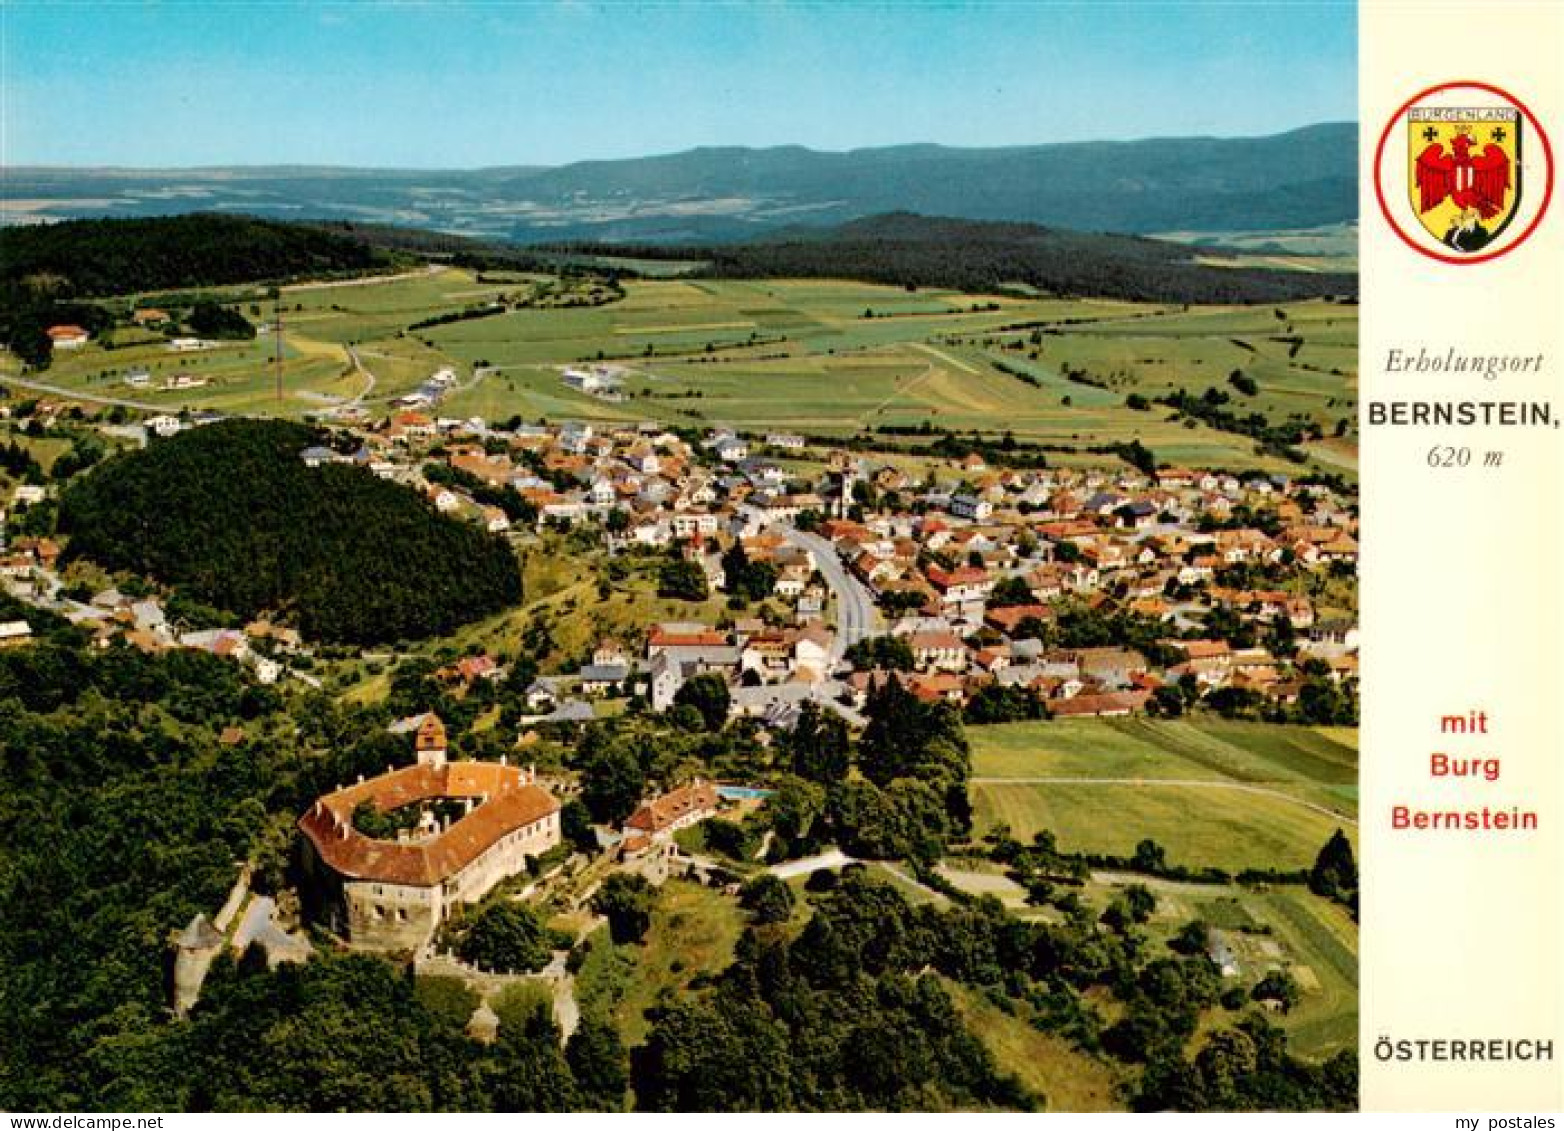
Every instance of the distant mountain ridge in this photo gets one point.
(1303, 178)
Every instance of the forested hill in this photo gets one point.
(903, 249)
(1299, 179)
(113, 257)
(230, 514)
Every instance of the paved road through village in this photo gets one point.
(856, 614)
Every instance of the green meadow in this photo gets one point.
(1219, 794)
(827, 357)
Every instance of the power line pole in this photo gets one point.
(277, 339)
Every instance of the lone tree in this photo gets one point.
(625, 900)
(507, 937)
(1278, 986)
(682, 581)
(768, 899)
(575, 821)
(708, 694)
(1244, 383)
(612, 782)
(820, 744)
(1335, 871)
(598, 1061)
(1150, 857)
(752, 580)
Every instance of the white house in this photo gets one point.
(971, 507)
(594, 381)
(67, 337)
(691, 523)
(15, 632)
(266, 670)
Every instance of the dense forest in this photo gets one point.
(903, 249)
(115, 257)
(47, 269)
(231, 516)
(907, 250)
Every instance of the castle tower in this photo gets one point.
(194, 949)
(430, 742)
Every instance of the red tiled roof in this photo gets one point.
(658, 814)
(660, 638)
(1204, 649)
(1008, 618)
(511, 802)
(962, 575)
(1119, 702)
(935, 642)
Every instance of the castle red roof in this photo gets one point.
(508, 801)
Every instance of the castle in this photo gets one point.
(392, 894)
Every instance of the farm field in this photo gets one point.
(1314, 763)
(1324, 938)
(235, 377)
(1301, 361)
(1198, 825)
(1331, 247)
(824, 357)
(1213, 793)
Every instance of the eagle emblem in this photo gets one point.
(1465, 172)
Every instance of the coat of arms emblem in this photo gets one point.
(1465, 178)
(1463, 172)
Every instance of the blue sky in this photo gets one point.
(460, 85)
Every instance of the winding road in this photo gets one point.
(78, 395)
(364, 372)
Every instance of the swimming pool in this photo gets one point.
(743, 793)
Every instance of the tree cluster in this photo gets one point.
(229, 514)
(116, 257)
(982, 256)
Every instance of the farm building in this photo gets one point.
(67, 337)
